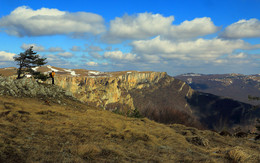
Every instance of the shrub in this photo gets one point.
(169, 115)
(38, 75)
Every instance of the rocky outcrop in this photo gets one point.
(28, 87)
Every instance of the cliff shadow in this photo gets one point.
(221, 113)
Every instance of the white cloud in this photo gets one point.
(75, 48)
(24, 21)
(39, 48)
(5, 56)
(36, 47)
(242, 29)
(237, 56)
(194, 28)
(55, 49)
(66, 55)
(96, 55)
(105, 64)
(220, 61)
(92, 63)
(118, 55)
(93, 48)
(145, 25)
(138, 26)
(200, 49)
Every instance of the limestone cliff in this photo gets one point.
(109, 89)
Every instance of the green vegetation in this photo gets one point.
(253, 98)
(38, 75)
(27, 60)
(130, 113)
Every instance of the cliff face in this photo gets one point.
(104, 90)
(154, 94)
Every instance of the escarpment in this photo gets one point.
(161, 98)
(103, 91)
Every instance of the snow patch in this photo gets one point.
(73, 73)
(191, 74)
(129, 72)
(52, 69)
(94, 72)
(35, 68)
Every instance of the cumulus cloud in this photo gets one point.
(138, 26)
(65, 55)
(242, 29)
(92, 63)
(237, 56)
(145, 25)
(194, 28)
(24, 21)
(36, 47)
(75, 48)
(93, 48)
(200, 49)
(96, 55)
(5, 56)
(40, 48)
(55, 49)
(118, 55)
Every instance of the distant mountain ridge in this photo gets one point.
(235, 86)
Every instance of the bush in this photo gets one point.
(133, 114)
(169, 115)
(38, 75)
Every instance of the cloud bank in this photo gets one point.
(24, 21)
(200, 49)
(146, 25)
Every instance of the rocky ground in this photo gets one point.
(28, 87)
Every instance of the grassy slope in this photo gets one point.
(32, 130)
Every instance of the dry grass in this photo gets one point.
(237, 155)
(8, 71)
(32, 131)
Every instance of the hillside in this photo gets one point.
(235, 86)
(154, 94)
(69, 131)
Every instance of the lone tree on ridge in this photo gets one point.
(27, 60)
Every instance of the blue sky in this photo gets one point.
(174, 36)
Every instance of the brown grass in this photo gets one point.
(237, 155)
(31, 131)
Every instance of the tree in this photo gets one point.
(27, 60)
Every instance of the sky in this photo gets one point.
(173, 36)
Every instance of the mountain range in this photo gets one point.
(235, 86)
